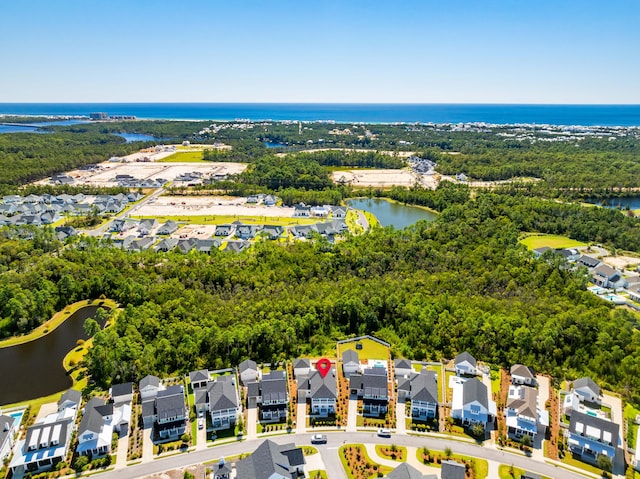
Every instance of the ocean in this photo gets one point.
(584, 115)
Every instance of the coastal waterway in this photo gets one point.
(34, 369)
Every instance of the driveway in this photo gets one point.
(147, 444)
(121, 454)
(617, 416)
(201, 435)
(401, 424)
(252, 423)
(301, 417)
(353, 414)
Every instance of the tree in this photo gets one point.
(80, 463)
(447, 452)
(478, 430)
(526, 440)
(604, 463)
(91, 327)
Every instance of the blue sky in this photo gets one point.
(455, 51)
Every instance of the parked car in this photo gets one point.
(382, 432)
(319, 439)
(200, 423)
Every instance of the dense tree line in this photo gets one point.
(432, 290)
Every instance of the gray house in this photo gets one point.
(272, 461)
(248, 371)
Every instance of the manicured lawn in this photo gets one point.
(55, 321)
(505, 472)
(552, 241)
(568, 459)
(495, 381)
(318, 474)
(309, 450)
(630, 414)
(184, 157)
(370, 349)
(227, 219)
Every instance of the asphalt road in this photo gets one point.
(329, 453)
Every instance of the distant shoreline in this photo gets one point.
(384, 113)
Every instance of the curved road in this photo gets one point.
(329, 453)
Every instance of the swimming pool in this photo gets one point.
(17, 415)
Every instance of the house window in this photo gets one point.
(475, 410)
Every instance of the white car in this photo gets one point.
(382, 432)
(200, 423)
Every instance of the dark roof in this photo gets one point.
(322, 387)
(586, 382)
(199, 376)
(371, 384)
(121, 389)
(150, 381)
(526, 403)
(71, 395)
(222, 395)
(35, 431)
(405, 471)
(521, 370)
(601, 430)
(605, 271)
(274, 387)
(248, 364)
(403, 364)
(301, 363)
(542, 250)
(424, 387)
(201, 395)
(6, 423)
(588, 261)
(452, 470)
(253, 389)
(92, 419)
(404, 384)
(170, 403)
(148, 407)
(350, 356)
(465, 357)
(269, 458)
(475, 390)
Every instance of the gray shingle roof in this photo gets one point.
(92, 419)
(521, 370)
(301, 363)
(150, 380)
(350, 356)
(199, 376)
(322, 387)
(424, 387)
(403, 364)
(606, 432)
(465, 356)
(222, 395)
(71, 395)
(248, 364)
(405, 471)
(121, 389)
(527, 404)
(170, 403)
(268, 459)
(274, 387)
(475, 390)
(586, 382)
(452, 470)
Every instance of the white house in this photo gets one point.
(7, 436)
(403, 368)
(248, 371)
(588, 390)
(524, 416)
(521, 374)
(424, 395)
(464, 363)
(301, 367)
(350, 363)
(471, 403)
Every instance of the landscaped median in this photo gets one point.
(511, 472)
(56, 320)
(477, 468)
(357, 463)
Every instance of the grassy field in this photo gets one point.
(630, 414)
(227, 219)
(184, 157)
(370, 349)
(505, 472)
(535, 241)
(318, 474)
(55, 321)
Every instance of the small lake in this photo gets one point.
(632, 202)
(34, 369)
(274, 144)
(390, 213)
(35, 127)
(131, 137)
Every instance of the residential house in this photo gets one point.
(7, 436)
(634, 291)
(270, 200)
(186, 245)
(607, 277)
(168, 228)
(339, 211)
(223, 402)
(588, 261)
(350, 363)
(301, 367)
(149, 387)
(273, 232)
(46, 442)
(588, 390)
(141, 244)
(236, 246)
(471, 403)
(247, 231)
(521, 374)
(403, 368)
(248, 371)
(523, 414)
(70, 399)
(272, 461)
(302, 210)
(121, 393)
(274, 396)
(319, 211)
(166, 244)
(464, 363)
(199, 379)
(95, 431)
(372, 387)
(222, 469)
(170, 413)
(569, 254)
(407, 471)
(538, 252)
(224, 230)
(147, 226)
(424, 395)
(452, 470)
(322, 393)
(590, 436)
